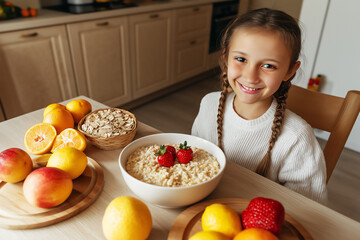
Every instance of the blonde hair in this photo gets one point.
(289, 29)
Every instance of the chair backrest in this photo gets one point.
(329, 113)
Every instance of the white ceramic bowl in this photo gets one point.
(171, 197)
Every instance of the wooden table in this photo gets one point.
(320, 221)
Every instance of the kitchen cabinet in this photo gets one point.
(192, 33)
(151, 48)
(100, 53)
(35, 69)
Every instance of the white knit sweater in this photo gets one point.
(297, 159)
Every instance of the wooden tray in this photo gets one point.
(17, 213)
(189, 221)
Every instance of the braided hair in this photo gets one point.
(289, 29)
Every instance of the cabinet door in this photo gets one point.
(101, 59)
(190, 58)
(150, 39)
(192, 22)
(35, 69)
(2, 116)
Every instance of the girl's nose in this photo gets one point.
(251, 73)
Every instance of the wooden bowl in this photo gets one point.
(109, 142)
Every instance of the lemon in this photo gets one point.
(255, 234)
(209, 235)
(221, 218)
(69, 159)
(127, 218)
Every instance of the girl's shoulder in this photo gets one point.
(296, 124)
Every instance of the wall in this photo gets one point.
(332, 49)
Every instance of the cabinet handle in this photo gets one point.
(154, 15)
(196, 9)
(193, 42)
(29, 35)
(102, 24)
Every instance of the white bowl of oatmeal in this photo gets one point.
(176, 186)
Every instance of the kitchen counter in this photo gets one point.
(50, 17)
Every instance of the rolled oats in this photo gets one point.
(108, 122)
(142, 164)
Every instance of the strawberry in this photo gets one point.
(172, 150)
(185, 153)
(264, 213)
(164, 157)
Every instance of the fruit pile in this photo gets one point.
(261, 220)
(48, 179)
(167, 154)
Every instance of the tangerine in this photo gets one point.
(255, 234)
(69, 138)
(78, 108)
(39, 138)
(60, 119)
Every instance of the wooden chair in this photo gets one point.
(329, 113)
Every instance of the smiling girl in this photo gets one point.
(260, 52)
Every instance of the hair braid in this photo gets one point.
(225, 85)
(281, 96)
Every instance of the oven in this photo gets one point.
(223, 13)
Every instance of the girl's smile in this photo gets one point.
(258, 62)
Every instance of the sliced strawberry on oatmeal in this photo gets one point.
(264, 213)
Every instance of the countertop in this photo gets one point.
(50, 17)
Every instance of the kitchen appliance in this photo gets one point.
(223, 13)
(79, 2)
(92, 7)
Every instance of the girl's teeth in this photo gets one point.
(249, 88)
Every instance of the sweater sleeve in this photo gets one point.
(304, 169)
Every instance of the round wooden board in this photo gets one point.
(189, 221)
(17, 213)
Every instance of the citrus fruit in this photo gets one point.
(53, 106)
(39, 138)
(69, 138)
(60, 119)
(69, 159)
(221, 218)
(209, 235)
(255, 234)
(78, 108)
(126, 218)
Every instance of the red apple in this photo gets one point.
(15, 165)
(47, 187)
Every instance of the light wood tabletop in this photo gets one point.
(237, 182)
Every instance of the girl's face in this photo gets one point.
(258, 62)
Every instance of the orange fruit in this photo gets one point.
(221, 218)
(209, 235)
(69, 138)
(39, 138)
(60, 119)
(255, 234)
(53, 106)
(78, 108)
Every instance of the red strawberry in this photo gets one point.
(164, 158)
(264, 213)
(185, 153)
(171, 150)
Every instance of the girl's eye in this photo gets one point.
(240, 59)
(269, 66)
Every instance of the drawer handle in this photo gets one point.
(102, 24)
(196, 9)
(29, 35)
(193, 42)
(154, 15)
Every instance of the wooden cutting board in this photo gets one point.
(189, 221)
(17, 213)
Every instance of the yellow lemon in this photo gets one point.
(255, 234)
(209, 235)
(127, 218)
(69, 159)
(78, 108)
(53, 106)
(221, 218)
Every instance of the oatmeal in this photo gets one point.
(143, 165)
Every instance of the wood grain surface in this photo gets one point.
(17, 213)
(189, 221)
